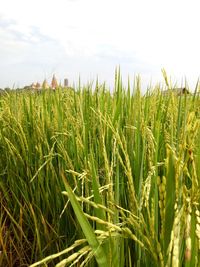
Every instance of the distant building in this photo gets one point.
(33, 86)
(176, 91)
(45, 84)
(54, 83)
(66, 83)
(38, 86)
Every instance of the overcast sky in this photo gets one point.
(92, 37)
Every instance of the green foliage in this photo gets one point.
(90, 177)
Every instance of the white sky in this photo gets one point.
(91, 37)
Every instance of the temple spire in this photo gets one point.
(54, 83)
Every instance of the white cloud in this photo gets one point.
(151, 34)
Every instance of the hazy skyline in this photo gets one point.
(90, 38)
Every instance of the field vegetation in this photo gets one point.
(92, 177)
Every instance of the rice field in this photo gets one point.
(90, 177)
